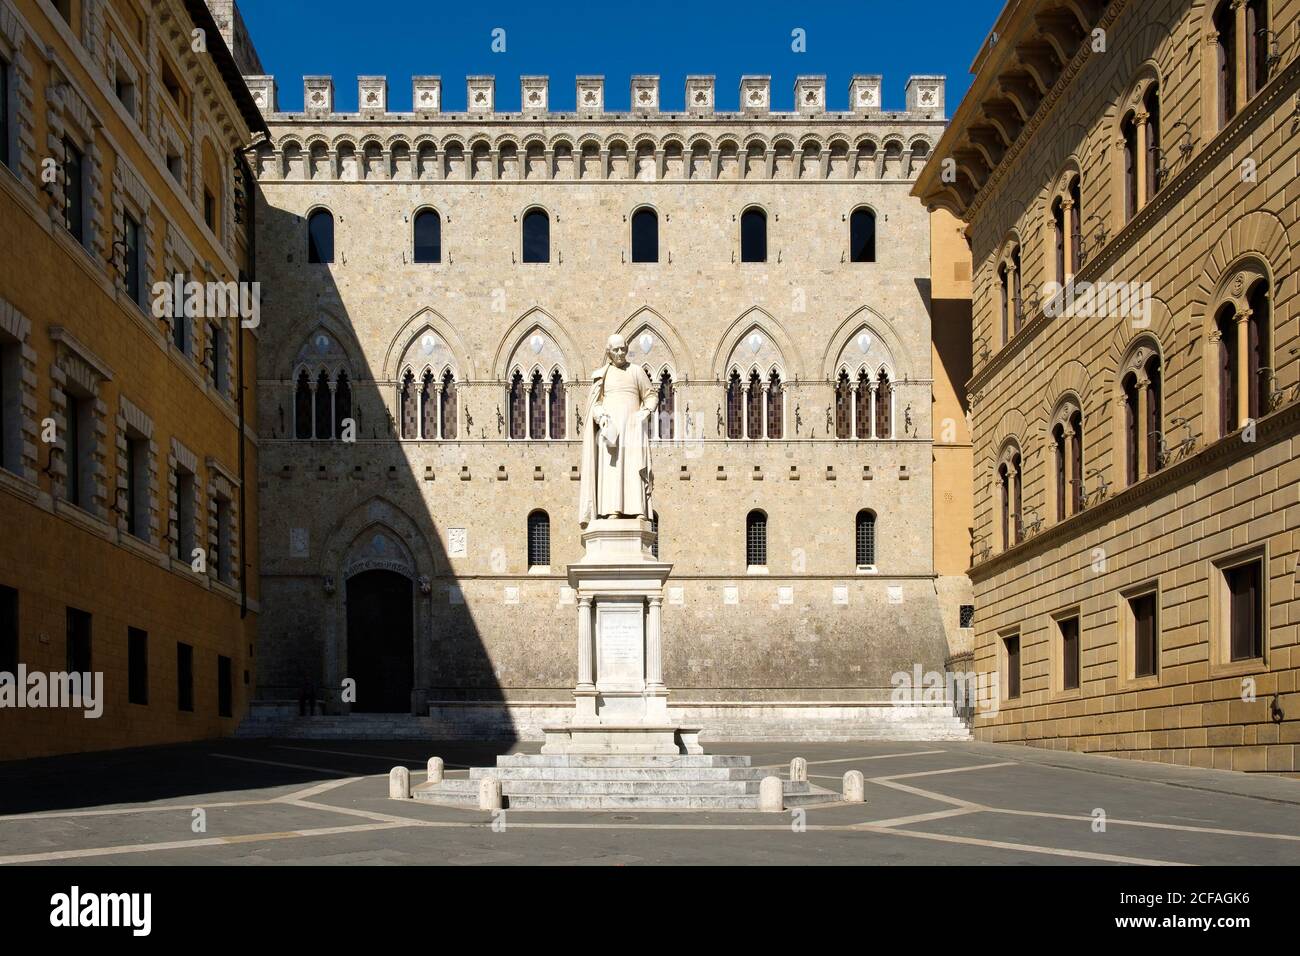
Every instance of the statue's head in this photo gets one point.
(616, 350)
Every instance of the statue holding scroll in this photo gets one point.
(615, 477)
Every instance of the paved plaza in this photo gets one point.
(271, 801)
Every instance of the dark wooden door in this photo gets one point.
(380, 642)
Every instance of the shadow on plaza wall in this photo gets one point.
(356, 583)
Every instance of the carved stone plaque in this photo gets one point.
(620, 645)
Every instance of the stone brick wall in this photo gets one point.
(811, 624)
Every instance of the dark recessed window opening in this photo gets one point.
(1145, 635)
(1069, 653)
(645, 236)
(428, 236)
(1246, 611)
(184, 677)
(137, 655)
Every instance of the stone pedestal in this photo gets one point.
(620, 702)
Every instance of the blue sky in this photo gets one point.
(399, 38)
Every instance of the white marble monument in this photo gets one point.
(620, 701)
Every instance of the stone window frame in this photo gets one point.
(21, 108)
(875, 229)
(535, 517)
(1220, 631)
(1061, 191)
(1004, 664)
(1213, 116)
(305, 248)
(178, 454)
(222, 485)
(768, 219)
(1014, 533)
(436, 375)
(1125, 671)
(552, 252)
(1234, 289)
(442, 259)
(1141, 349)
(765, 371)
(179, 258)
(1011, 294)
(117, 59)
(76, 366)
(15, 332)
(69, 117)
(131, 197)
(1133, 104)
(131, 418)
(1067, 406)
(1056, 652)
(636, 209)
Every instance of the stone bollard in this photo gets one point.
(798, 770)
(489, 794)
(399, 784)
(435, 769)
(854, 787)
(771, 795)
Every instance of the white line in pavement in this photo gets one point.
(169, 808)
(935, 773)
(921, 817)
(1151, 825)
(1021, 847)
(316, 790)
(192, 844)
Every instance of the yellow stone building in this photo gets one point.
(126, 457)
(1137, 494)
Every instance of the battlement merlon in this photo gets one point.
(923, 97)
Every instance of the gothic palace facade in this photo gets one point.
(440, 287)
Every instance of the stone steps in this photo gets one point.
(622, 781)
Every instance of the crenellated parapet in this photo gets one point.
(811, 142)
(924, 97)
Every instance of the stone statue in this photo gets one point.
(615, 477)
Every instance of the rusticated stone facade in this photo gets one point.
(443, 496)
(1136, 484)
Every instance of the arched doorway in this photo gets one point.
(381, 657)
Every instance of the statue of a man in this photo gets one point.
(615, 472)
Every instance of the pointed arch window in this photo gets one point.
(865, 539)
(756, 539)
(862, 235)
(862, 410)
(754, 407)
(844, 397)
(320, 236)
(428, 406)
(324, 407)
(518, 406)
(645, 235)
(539, 539)
(447, 397)
(302, 406)
(427, 230)
(342, 402)
(884, 406)
(753, 235)
(537, 406)
(410, 407)
(775, 396)
(556, 406)
(666, 411)
(536, 236)
(735, 406)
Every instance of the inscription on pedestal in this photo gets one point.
(620, 645)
